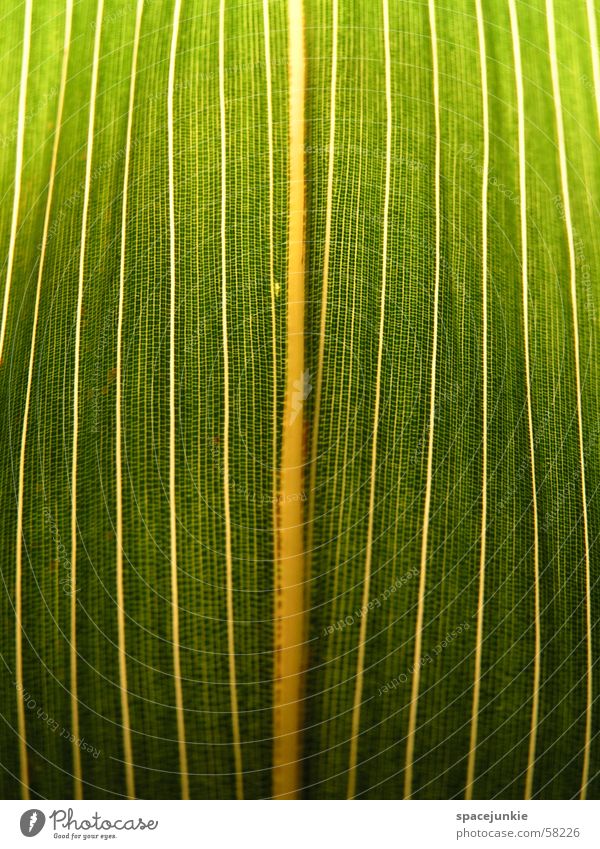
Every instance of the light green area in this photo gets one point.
(340, 501)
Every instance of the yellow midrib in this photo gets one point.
(290, 557)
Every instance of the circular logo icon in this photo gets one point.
(32, 822)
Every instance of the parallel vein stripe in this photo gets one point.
(18, 169)
(355, 728)
(24, 769)
(346, 426)
(564, 179)
(514, 25)
(290, 568)
(484, 402)
(324, 286)
(125, 720)
(235, 721)
(84, 221)
(272, 281)
(593, 28)
(183, 761)
(414, 699)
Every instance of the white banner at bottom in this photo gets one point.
(303, 825)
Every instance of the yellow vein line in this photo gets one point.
(414, 699)
(24, 768)
(484, 402)
(345, 426)
(594, 50)
(369, 543)
(126, 724)
(235, 721)
(562, 155)
(18, 168)
(514, 25)
(86, 203)
(324, 286)
(290, 570)
(183, 761)
(272, 281)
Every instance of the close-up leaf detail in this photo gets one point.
(300, 398)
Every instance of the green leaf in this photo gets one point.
(300, 399)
